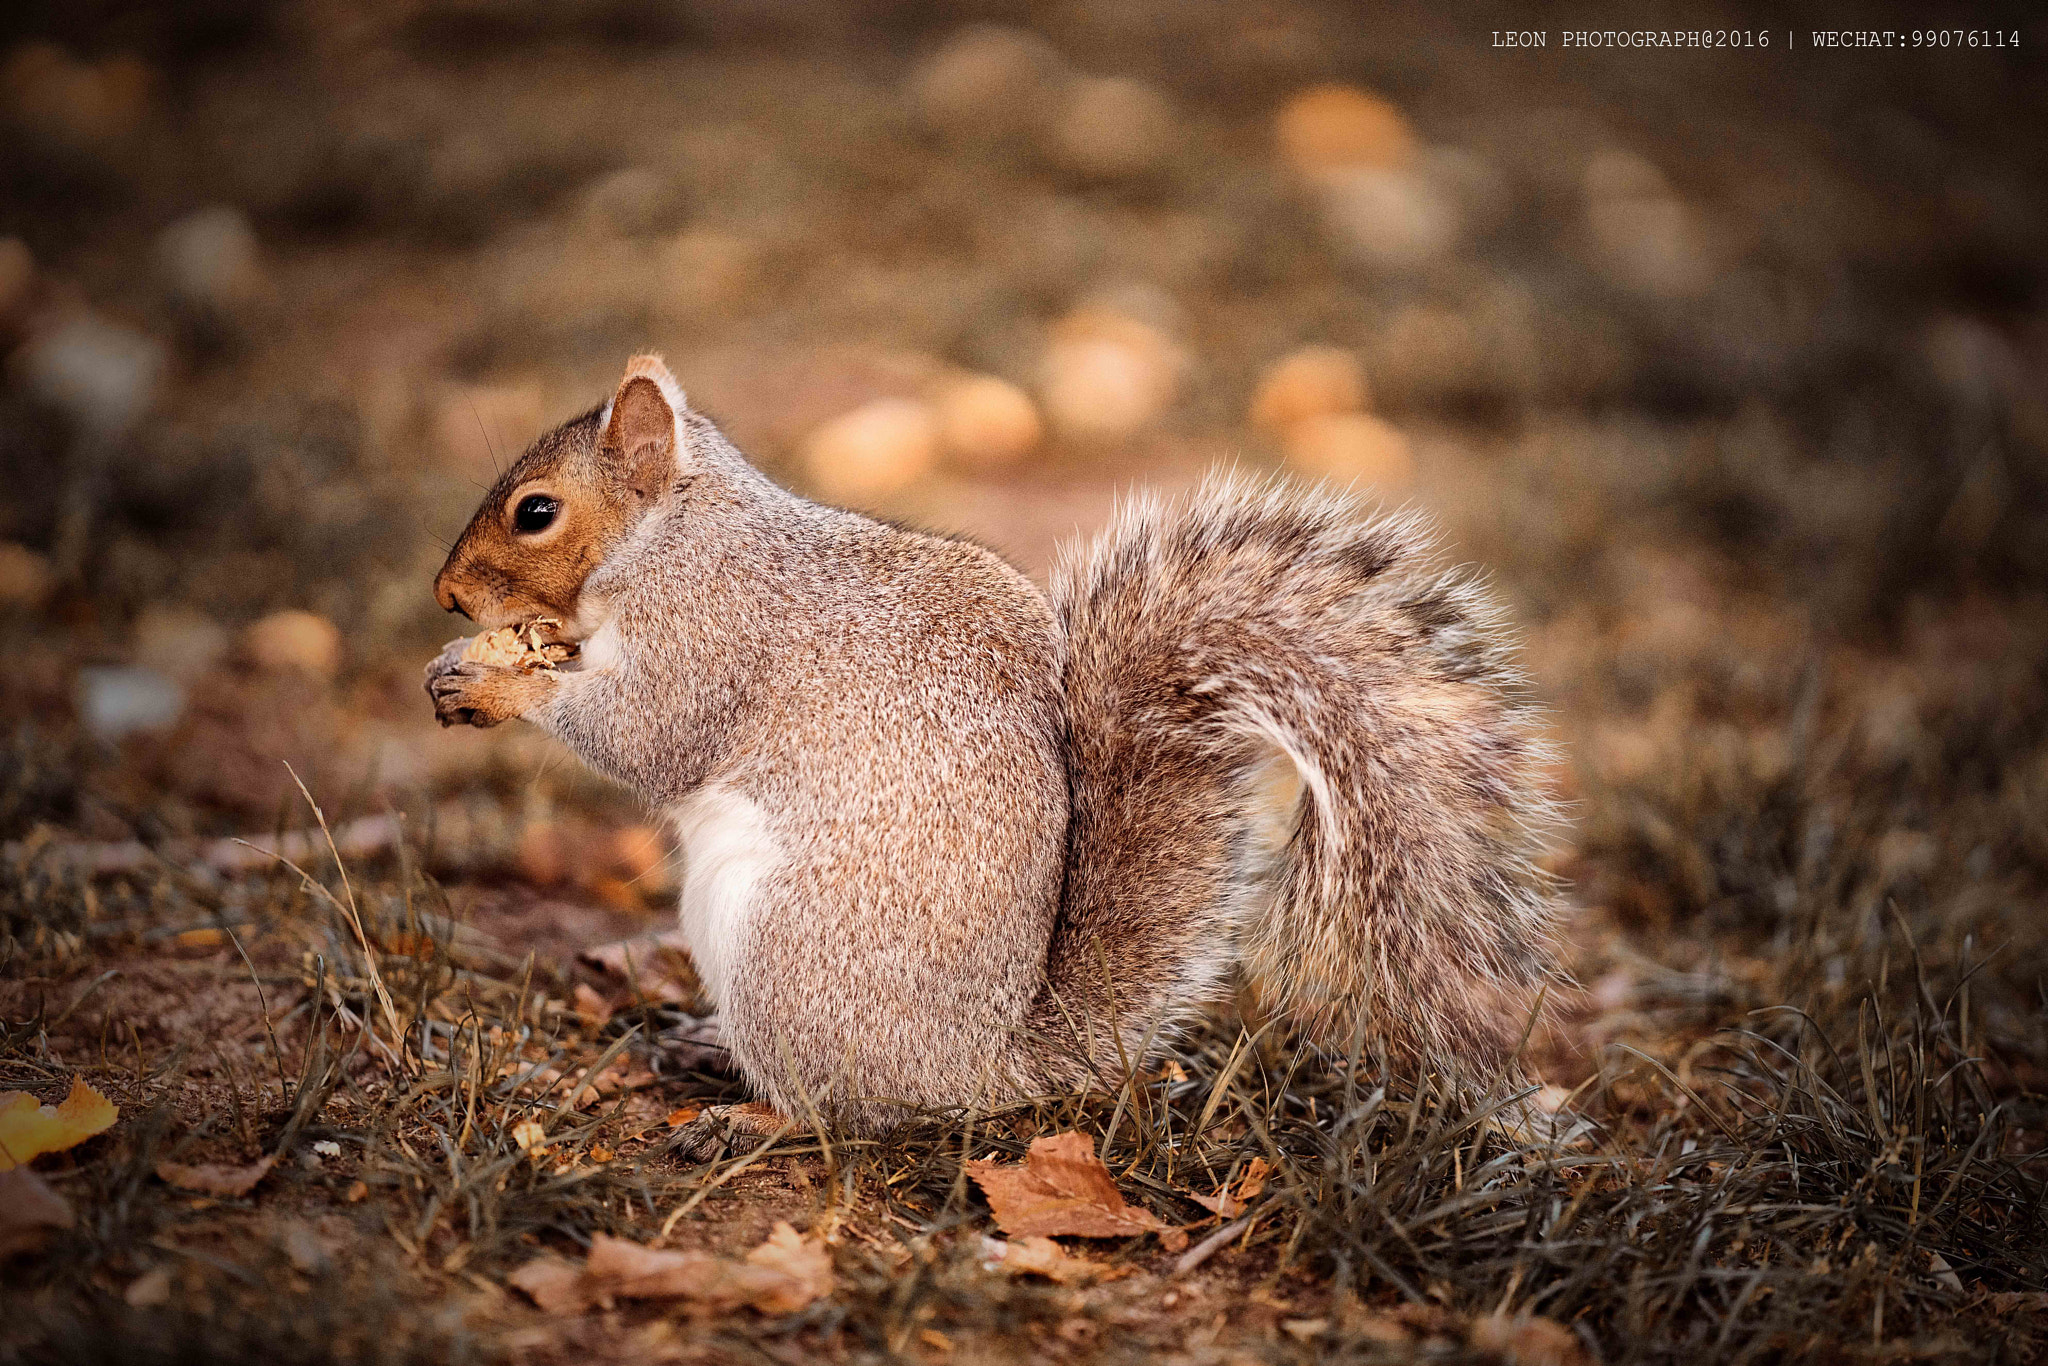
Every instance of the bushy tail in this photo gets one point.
(1205, 635)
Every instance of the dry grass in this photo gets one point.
(1764, 1172)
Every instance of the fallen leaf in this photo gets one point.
(406, 944)
(531, 1137)
(356, 1192)
(804, 1264)
(1061, 1189)
(212, 1178)
(553, 1283)
(1527, 1340)
(27, 1130)
(590, 1007)
(780, 1276)
(1039, 1257)
(29, 1210)
(1228, 1204)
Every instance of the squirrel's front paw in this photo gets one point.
(450, 656)
(470, 694)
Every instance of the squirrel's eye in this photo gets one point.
(536, 512)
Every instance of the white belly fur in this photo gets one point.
(727, 849)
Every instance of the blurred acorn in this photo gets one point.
(1392, 220)
(294, 641)
(1646, 238)
(1310, 382)
(210, 262)
(1108, 375)
(178, 642)
(115, 703)
(879, 448)
(1383, 203)
(26, 578)
(1112, 128)
(1347, 448)
(987, 83)
(1972, 363)
(1339, 127)
(80, 106)
(102, 374)
(986, 423)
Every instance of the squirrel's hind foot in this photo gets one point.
(722, 1128)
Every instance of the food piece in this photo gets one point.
(526, 648)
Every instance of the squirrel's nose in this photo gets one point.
(445, 595)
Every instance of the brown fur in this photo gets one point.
(948, 841)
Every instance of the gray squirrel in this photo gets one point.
(949, 839)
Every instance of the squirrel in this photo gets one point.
(949, 839)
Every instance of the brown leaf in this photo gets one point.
(1062, 1189)
(553, 1283)
(1229, 1205)
(1527, 1340)
(408, 945)
(591, 1008)
(1040, 1257)
(779, 1277)
(28, 1130)
(211, 1178)
(804, 1266)
(29, 1210)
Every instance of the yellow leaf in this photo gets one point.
(27, 1130)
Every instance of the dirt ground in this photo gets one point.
(1729, 366)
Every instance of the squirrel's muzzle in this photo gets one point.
(449, 602)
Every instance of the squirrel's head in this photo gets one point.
(566, 504)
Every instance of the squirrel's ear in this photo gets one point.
(641, 430)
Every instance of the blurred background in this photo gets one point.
(1727, 365)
